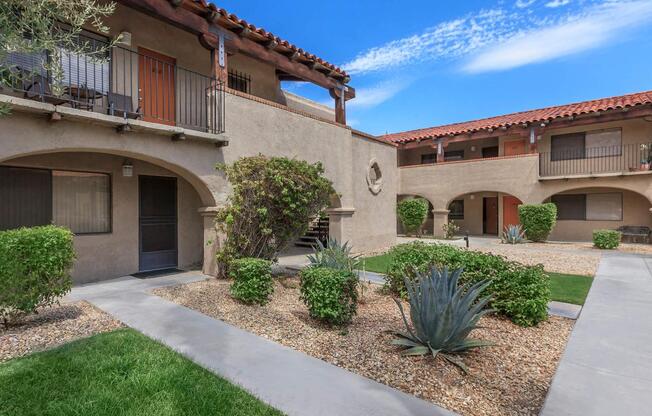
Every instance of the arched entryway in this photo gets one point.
(428, 226)
(582, 210)
(128, 214)
(483, 213)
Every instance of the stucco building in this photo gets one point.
(592, 159)
(126, 156)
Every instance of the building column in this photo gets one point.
(441, 157)
(440, 217)
(213, 240)
(218, 62)
(340, 223)
(340, 104)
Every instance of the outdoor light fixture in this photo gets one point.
(127, 169)
(473, 148)
(124, 38)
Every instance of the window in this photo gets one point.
(567, 146)
(604, 207)
(598, 143)
(428, 158)
(454, 155)
(239, 81)
(456, 210)
(81, 201)
(589, 207)
(491, 151)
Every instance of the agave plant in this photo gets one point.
(513, 234)
(333, 255)
(442, 315)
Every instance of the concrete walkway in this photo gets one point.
(607, 366)
(288, 380)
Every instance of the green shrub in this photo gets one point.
(252, 280)
(412, 213)
(450, 229)
(35, 268)
(606, 239)
(331, 295)
(538, 220)
(272, 202)
(519, 292)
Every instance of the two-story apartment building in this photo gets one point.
(125, 156)
(592, 159)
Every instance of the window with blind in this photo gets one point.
(567, 146)
(589, 207)
(428, 158)
(80, 201)
(570, 207)
(590, 144)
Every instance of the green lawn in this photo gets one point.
(118, 373)
(568, 288)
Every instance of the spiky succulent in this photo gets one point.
(443, 314)
(513, 234)
(333, 255)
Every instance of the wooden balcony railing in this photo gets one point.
(596, 160)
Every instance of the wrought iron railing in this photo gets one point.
(596, 160)
(125, 83)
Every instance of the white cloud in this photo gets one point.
(577, 33)
(557, 3)
(377, 94)
(523, 4)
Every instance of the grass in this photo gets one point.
(118, 373)
(569, 288)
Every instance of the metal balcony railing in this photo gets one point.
(125, 83)
(596, 160)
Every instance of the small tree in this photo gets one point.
(412, 213)
(48, 27)
(272, 202)
(538, 220)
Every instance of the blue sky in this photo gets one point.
(422, 63)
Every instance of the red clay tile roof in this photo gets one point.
(532, 116)
(236, 21)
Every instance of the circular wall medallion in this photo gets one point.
(374, 177)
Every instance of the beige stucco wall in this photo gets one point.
(107, 255)
(264, 82)
(297, 102)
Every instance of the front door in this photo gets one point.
(490, 215)
(510, 210)
(514, 147)
(157, 222)
(156, 91)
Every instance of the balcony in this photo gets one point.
(135, 86)
(628, 159)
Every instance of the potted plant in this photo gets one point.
(645, 157)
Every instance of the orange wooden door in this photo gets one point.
(156, 87)
(490, 215)
(510, 210)
(514, 147)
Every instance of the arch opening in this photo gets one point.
(427, 228)
(484, 213)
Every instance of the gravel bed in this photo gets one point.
(510, 378)
(53, 326)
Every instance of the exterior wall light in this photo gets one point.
(127, 169)
(124, 38)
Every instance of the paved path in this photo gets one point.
(288, 380)
(607, 366)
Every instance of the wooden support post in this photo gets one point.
(340, 105)
(218, 62)
(440, 152)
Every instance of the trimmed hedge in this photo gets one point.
(331, 295)
(606, 239)
(520, 292)
(252, 280)
(35, 268)
(412, 213)
(538, 220)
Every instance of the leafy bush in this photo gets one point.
(450, 229)
(252, 280)
(412, 213)
(331, 295)
(513, 234)
(272, 202)
(538, 220)
(35, 268)
(606, 239)
(443, 314)
(519, 292)
(334, 255)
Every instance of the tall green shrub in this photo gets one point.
(272, 202)
(35, 268)
(538, 220)
(331, 295)
(520, 292)
(412, 213)
(252, 280)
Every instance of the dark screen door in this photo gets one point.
(158, 222)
